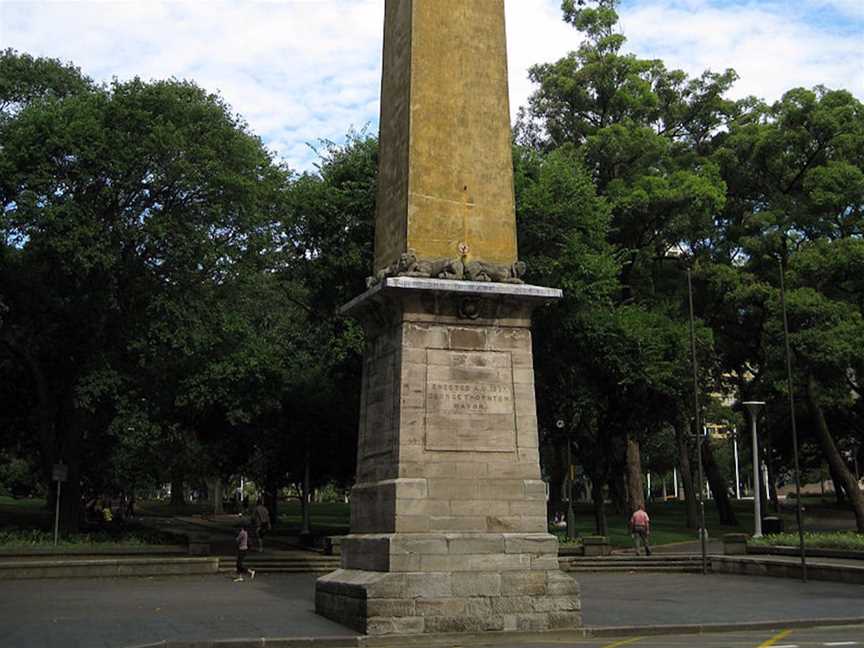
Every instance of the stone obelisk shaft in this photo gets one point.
(446, 170)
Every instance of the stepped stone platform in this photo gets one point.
(107, 567)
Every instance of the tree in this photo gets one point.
(120, 205)
(644, 133)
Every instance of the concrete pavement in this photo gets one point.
(117, 613)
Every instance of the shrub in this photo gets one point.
(845, 540)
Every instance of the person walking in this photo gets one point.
(242, 549)
(261, 521)
(640, 528)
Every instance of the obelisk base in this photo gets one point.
(474, 583)
(448, 515)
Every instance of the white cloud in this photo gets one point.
(771, 47)
(303, 70)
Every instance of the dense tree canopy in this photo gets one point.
(169, 292)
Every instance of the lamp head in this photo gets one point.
(753, 406)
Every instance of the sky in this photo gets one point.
(302, 71)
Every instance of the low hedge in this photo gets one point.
(844, 540)
(35, 539)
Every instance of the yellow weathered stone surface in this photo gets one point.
(446, 170)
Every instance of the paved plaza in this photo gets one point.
(119, 613)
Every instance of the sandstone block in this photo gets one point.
(557, 604)
(405, 563)
(564, 620)
(532, 622)
(498, 562)
(501, 489)
(453, 489)
(529, 583)
(515, 339)
(532, 508)
(390, 608)
(478, 607)
(476, 544)
(454, 523)
(414, 357)
(441, 607)
(523, 376)
(558, 583)
(407, 544)
(422, 507)
(513, 470)
(534, 489)
(412, 524)
(424, 336)
(394, 625)
(476, 584)
(479, 508)
(473, 339)
(540, 543)
(513, 604)
(504, 523)
(544, 563)
(427, 585)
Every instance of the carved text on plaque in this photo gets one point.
(469, 401)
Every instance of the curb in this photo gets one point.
(496, 638)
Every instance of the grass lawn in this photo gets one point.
(25, 514)
(326, 519)
(668, 523)
(27, 523)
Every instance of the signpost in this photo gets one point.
(59, 473)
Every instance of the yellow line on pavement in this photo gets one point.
(624, 643)
(773, 640)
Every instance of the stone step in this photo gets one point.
(633, 562)
(286, 570)
(649, 569)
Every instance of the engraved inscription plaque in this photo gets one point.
(469, 401)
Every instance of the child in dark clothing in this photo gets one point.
(242, 549)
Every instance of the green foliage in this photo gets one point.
(32, 539)
(849, 541)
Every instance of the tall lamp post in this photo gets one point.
(703, 532)
(753, 407)
(737, 474)
(791, 389)
(571, 515)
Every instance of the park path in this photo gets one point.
(127, 612)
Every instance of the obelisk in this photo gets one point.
(448, 512)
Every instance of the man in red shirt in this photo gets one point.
(640, 527)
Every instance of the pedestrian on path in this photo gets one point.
(242, 549)
(640, 528)
(261, 521)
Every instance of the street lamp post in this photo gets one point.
(571, 515)
(737, 474)
(697, 426)
(753, 407)
(791, 388)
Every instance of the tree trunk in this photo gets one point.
(177, 496)
(686, 475)
(832, 455)
(719, 488)
(214, 488)
(635, 488)
(68, 450)
(772, 488)
(601, 524)
(839, 492)
(306, 528)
